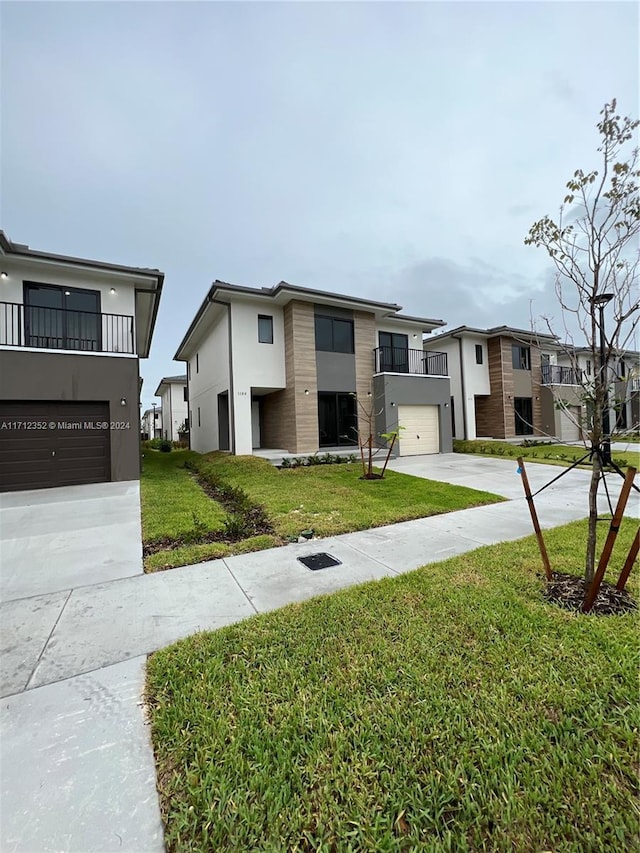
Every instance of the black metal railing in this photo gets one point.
(61, 328)
(553, 374)
(400, 360)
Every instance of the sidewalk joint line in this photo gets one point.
(255, 609)
(55, 625)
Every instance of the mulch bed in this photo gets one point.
(568, 591)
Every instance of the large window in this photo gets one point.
(334, 334)
(62, 317)
(337, 419)
(523, 407)
(521, 357)
(394, 352)
(265, 329)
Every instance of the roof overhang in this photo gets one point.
(147, 283)
(222, 292)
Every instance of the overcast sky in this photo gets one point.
(397, 151)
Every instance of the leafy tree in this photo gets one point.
(594, 247)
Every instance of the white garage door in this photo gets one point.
(569, 430)
(420, 433)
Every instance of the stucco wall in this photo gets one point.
(41, 376)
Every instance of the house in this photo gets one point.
(172, 391)
(501, 385)
(624, 392)
(151, 424)
(71, 334)
(299, 370)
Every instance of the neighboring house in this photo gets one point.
(293, 369)
(172, 391)
(624, 394)
(151, 424)
(71, 333)
(498, 387)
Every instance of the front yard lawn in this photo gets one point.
(179, 517)
(332, 499)
(549, 453)
(449, 709)
(173, 504)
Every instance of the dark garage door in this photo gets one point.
(53, 444)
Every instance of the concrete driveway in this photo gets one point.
(60, 539)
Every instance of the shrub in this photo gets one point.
(165, 446)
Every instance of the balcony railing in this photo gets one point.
(635, 383)
(416, 361)
(60, 328)
(553, 374)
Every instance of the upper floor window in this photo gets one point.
(62, 317)
(265, 329)
(333, 334)
(394, 352)
(185, 394)
(588, 367)
(478, 353)
(197, 362)
(520, 357)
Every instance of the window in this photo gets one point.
(478, 353)
(62, 317)
(394, 352)
(588, 367)
(198, 415)
(334, 334)
(188, 370)
(265, 329)
(523, 407)
(337, 419)
(520, 357)
(185, 393)
(197, 362)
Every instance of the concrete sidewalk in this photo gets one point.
(88, 637)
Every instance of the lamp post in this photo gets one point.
(601, 300)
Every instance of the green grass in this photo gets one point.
(332, 499)
(187, 555)
(171, 498)
(550, 454)
(449, 709)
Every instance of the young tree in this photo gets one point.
(594, 247)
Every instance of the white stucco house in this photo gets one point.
(292, 369)
(172, 391)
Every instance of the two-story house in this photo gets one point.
(151, 424)
(172, 391)
(624, 389)
(71, 333)
(497, 381)
(299, 370)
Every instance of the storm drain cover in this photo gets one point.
(319, 561)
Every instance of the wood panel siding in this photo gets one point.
(290, 417)
(364, 327)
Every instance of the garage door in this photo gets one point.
(53, 444)
(569, 429)
(420, 433)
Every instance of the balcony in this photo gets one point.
(553, 374)
(60, 328)
(415, 361)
